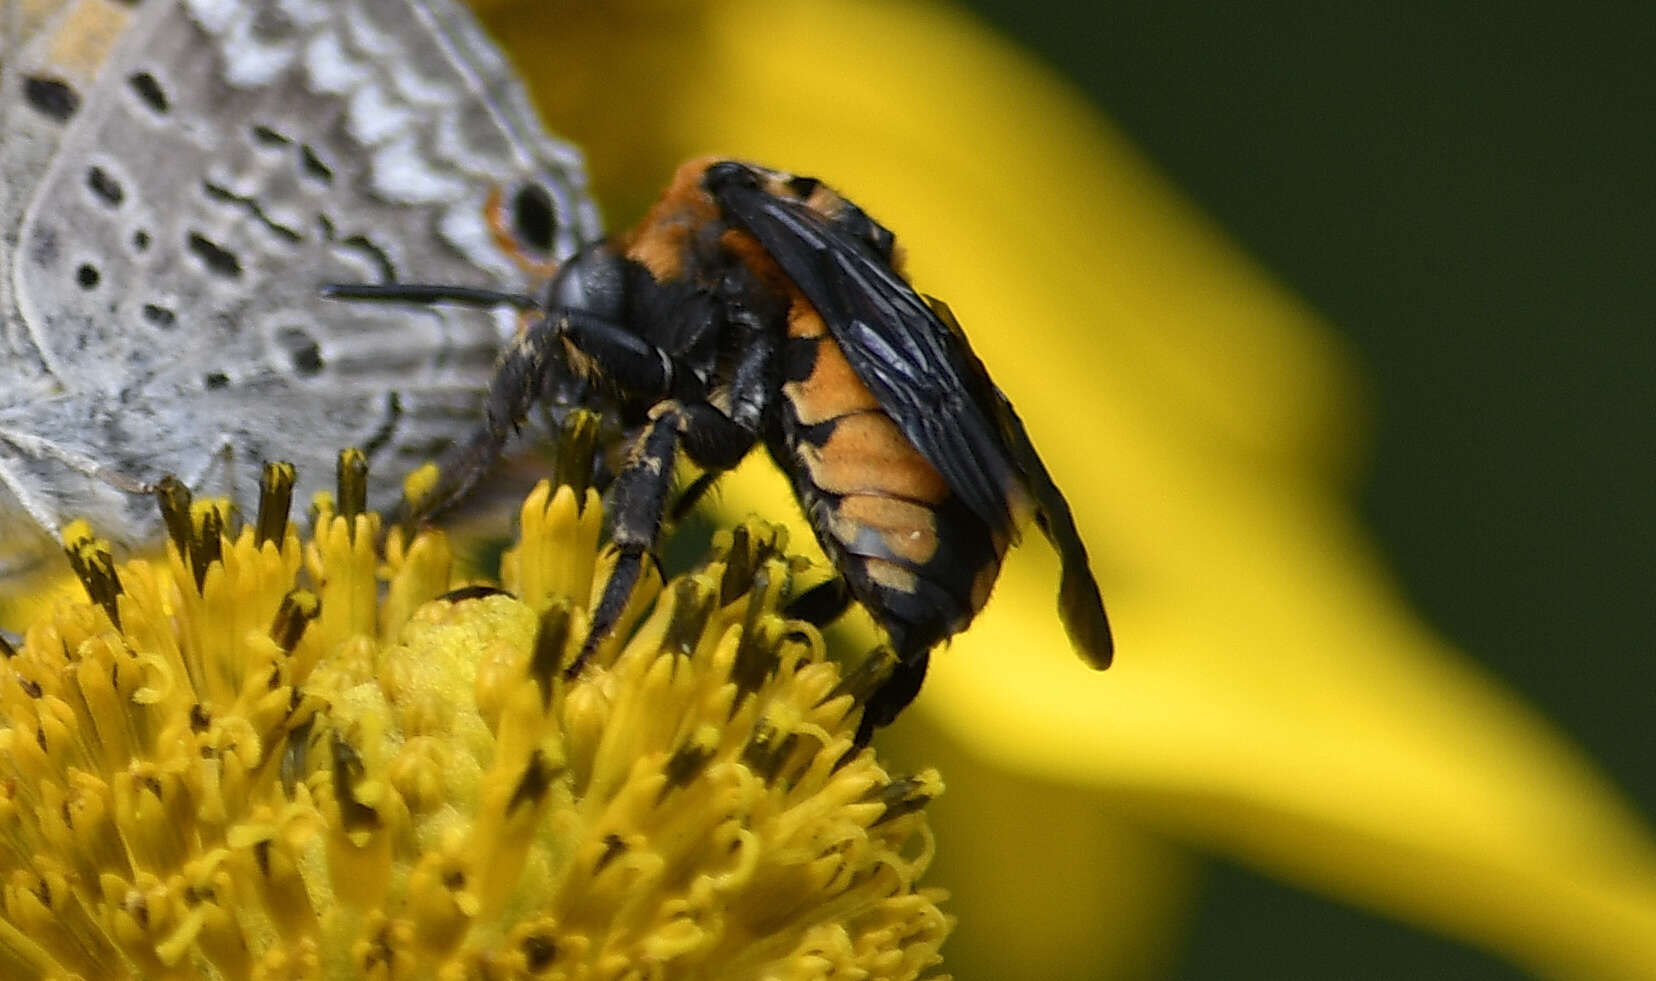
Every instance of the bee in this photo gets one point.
(753, 306)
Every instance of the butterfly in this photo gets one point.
(176, 179)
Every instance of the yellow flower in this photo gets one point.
(1272, 699)
(267, 757)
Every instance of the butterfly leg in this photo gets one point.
(43, 515)
(42, 448)
(217, 476)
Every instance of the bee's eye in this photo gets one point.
(591, 282)
(533, 220)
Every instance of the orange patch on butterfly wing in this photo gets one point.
(82, 40)
(506, 240)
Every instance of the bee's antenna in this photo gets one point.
(428, 294)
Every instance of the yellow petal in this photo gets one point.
(1273, 698)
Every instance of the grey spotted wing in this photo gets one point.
(230, 157)
(50, 55)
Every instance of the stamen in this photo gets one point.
(299, 607)
(93, 565)
(352, 482)
(275, 501)
(301, 748)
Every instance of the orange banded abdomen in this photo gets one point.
(911, 552)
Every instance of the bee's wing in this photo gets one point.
(896, 345)
(918, 364)
(1079, 601)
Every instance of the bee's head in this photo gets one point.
(591, 282)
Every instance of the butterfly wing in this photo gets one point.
(228, 158)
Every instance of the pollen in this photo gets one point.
(267, 754)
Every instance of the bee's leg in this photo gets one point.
(755, 380)
(515, 388)
(693, 495)
(712, 440)
(715, 440)
(724, 437)
(894, 694)
(822, 603)
(639, 496)
(636, 501)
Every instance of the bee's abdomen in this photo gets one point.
(919, 560)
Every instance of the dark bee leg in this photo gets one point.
(639, 496)
(730, 435)
(515, 388)
(622, 359)
(693, 495)
(636, 501)
(894, 695)
(822, 603)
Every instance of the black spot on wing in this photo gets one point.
(218, 259)
(51, 97)
(148, 89)
(107, 189)
(160, 316)
(920, 370)
(533, 218)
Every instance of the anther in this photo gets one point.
(577, 447)
(275, 500)
(532, 786)
(551, 639)
(208, 545)
(299, 607)
(348, 770)
(95, 568)
(692, 605)
(352, 484)
(906, 795)
(866, 678)
(173, 498)
(689, 759)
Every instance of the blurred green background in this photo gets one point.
(1464, 191)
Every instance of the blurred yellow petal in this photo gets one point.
(1273, 699)
(1047, 879)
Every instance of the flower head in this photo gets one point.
(268, 756)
